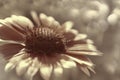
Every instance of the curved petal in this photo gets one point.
(94, 53)
(51, 21)
(22, 22)
(48, 21)
(85, 70)
(33, 69)
(58, 70)
(67, 25)
(23, 66)
(8, 50)
(79, 60)
(80, 42)
(9, 66)
(45, 71)
(31, 73)
(80, 37)
(7, 33)
(8, 22)
(67, 63)
(43, 19)
(83, 47)
(14, 60)
(35, 18)
(92, 69)
(2, 42)
(71, 34)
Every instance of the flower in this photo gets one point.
(43, 45)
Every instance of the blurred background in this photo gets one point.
(99, 19)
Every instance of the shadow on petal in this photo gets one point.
(7, 33)
(8, 50)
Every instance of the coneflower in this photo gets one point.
(43, 46)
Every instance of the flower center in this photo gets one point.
(44, 41)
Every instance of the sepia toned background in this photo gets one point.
(99, 19)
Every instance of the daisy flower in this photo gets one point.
(43, 45)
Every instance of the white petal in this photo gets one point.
(84, 53)
(85, 70)
(67, 25)
(43, 19)
(33, 69)
(83, 47)
(22, 66)
(50, 21)
(91, 69)
(79, 60)
(18, 58)
(56, 24)
(16, 21)
(58, 70)
(46, 71)
(10, 41)
(9, 66)
(4, 22)
(31, 72)
(36, 63)
(13, 62)
(22, 21)
(74, 31)
(89, 41)
(67, 64)
(21, 52)
(47, 21)
(80, 37)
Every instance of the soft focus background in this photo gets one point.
(97, 18)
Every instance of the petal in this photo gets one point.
(31, 73)
(79, 42)
(14, 61)
(80, 37)
(45, 71)
(84, 53)
(36, 63)
(43, 19)
(89, 41)
(9, 50)
(67, 26)
(91, 69)
(88, 47)
(18, 57)
(33, 69)
(67, 63)
(23, 66)
(80, 61)
(50, 21)
(71, 34)
(10, 35)
(56, 24)
(9, 66)
(85, 70)
(22, 21)
(58, 70)
(8, 22)
(35, 18)
(2, 42)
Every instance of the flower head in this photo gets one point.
(43, 45)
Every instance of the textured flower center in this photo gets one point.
(44, 41)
